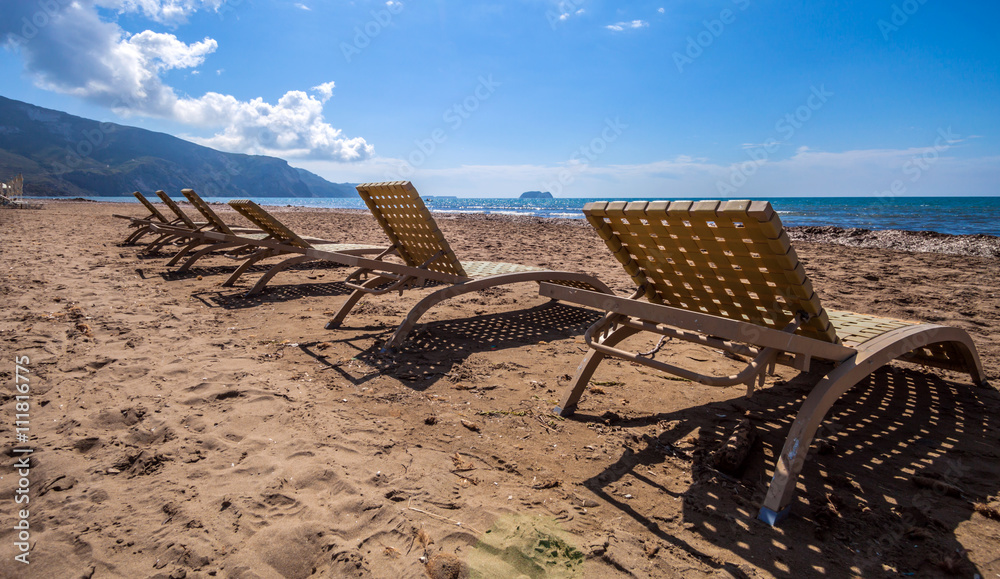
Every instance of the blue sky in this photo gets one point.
(584, 98)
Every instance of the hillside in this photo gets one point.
(64, 155)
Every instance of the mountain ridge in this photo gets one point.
(63, 155)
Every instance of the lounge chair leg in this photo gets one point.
(135, 235)
(878, 352)
(159, 242)
(756, 382)
(256, 289)
(184, 251)
(202, 253)
(777, 503)
(246, 265)
(212, 248)
(153, 243)
(148, 231)
(353, 299)
(420, 309)
(586, 369)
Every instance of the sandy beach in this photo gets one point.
(179, 430)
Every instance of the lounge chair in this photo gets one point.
(247, 244)
(212, 218)
(144, 224)
(184, 225)
(725, 275)
(280, 240)
(428, 257)
(169, 230)
(195, 232)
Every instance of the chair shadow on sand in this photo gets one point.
(228, 299)
(908, 453)
(227, 268)
(235, 298)
(436, 347)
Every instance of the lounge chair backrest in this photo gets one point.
(177, 210)
(152, 208)
(267, 222)
(401, 212)
(205, 210)
(730, 259)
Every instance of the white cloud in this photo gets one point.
(293, 128)
(171, 12)
(660, 10)
(80, 54)
(301, 6)
(159, 52)
(325, 90)
(621, 26)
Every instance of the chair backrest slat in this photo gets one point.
(152, 208)
(177, 210)
(401, 212)
(267, 222)
(217, 223)
(731, 259)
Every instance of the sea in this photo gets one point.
(951, 215)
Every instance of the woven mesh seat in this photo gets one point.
(727, 259)
(408, 223)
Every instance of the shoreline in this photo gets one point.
(973, 245)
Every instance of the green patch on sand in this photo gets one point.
(523, 546)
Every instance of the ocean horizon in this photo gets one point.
(950, 215)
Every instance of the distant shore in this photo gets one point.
(954, 215)
(979, 245)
